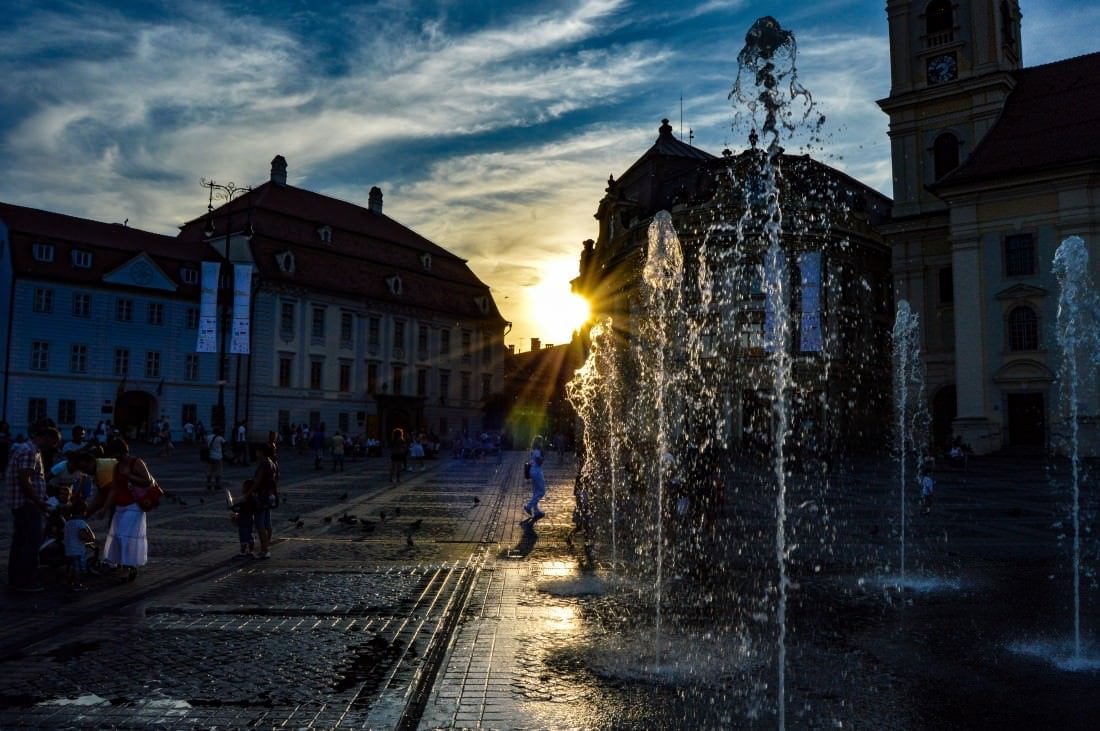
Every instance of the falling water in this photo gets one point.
(908, 401)
(661, 279)
(1078, 336)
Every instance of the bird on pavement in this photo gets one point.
(397, 510)
(328, 519)
(477, 500)
(382, 515)
(300, 524)
(294, 519)
(343, 497)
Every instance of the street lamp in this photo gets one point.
(226, 192)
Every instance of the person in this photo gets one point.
(188, 433)
(76, 443)
(78, 534)
(240, 444)
(166, 445)
(416, 451)
(538, 480)
(215, 442)
(25, 480)
(5, 445)
(127, 544)
(244, 515)
(582, 514)
(317, 443)
(927, 487)
(399, 451)
(266, 488)
(338, 443)
(559, 446)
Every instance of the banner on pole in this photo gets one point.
(242, 301)
(208, 309)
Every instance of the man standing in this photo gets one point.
(240, 444)
(215, 442)
(26, 490)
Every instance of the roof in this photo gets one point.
(364, 251)
(1049, 120)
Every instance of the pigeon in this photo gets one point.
(397, 510)
(294, 519)
(328, 519)
(343, 497)
(409, 540)
(477, 500)
(300, 524)
(382, 515)
(415, 525)
(284, 499)
(202, 501)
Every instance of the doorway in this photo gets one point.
(1026, 420)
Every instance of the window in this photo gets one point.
(422, 382)
(283, 419)
(347, 321)
(422, 341)
(40, 355)
(193, 318)
(82, 259)
(444, 342)
(317, 330)
(945, 154)
(399, 333)
(189, 413)
(486, 347)
(66, 411)
(316, 368)
(372, 378)
(1019, 255)
(43, 300)
(286, 368)
(122, 362)
(444, 386)
(394, 283)
(78, 359)
(342, 422)
(947, 286)
(426, 261)
(189, 275)
(191, 367)
(486, 385)
(345, 377)
(398, 377)
(36, 409)
(466, 346)
(82, 304)
(42, 252)
(464, 386)
(325, 234)
(124, 310)
(1023, 329)
(374, 327)
(152, 364)
(286, 320)
(156, 313)
(939, 17)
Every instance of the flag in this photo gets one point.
(160, 388)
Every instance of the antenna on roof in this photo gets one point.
(681, 117)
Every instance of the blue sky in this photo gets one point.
(491, 127)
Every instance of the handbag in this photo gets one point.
(147, 498)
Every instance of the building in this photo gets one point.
(994, 165)
(841, 303)
(321, 312)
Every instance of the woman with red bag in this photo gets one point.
(127, 544)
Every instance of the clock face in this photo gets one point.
(942, 68)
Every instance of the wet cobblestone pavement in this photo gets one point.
(433, 604)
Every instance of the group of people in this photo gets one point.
(251, 512)
(88, 480)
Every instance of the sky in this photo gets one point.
(491, 127)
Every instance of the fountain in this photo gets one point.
(909, 411)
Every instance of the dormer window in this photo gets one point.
(394, 284)
(482, 304)
(426, 261)
(189, 275)
(285, 261)
(42, 252)
(325, 234)
(82, 259)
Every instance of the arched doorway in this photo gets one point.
(134, 413)
(944, 410)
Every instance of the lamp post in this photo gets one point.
(226, 192)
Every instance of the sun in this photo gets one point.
(555, 310)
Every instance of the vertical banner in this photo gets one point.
(208, 309)
(809, 264)
(242, 301)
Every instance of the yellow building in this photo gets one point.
(994, 165)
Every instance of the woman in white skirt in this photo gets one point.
(127, 544)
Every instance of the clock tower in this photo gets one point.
(953, 65)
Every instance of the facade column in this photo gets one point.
(972, 422)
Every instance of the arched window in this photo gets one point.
(1023, 328)
(939, 16)
(945, 154)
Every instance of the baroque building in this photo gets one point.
(840, 298)
(320, 311)
(994, 165)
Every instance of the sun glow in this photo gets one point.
(555, 310)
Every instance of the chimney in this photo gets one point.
(374, 200)
(278, 170)
(512, 348)
(536, 344)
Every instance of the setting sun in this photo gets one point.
(554, 309)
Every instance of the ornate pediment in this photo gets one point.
(141, 271)
(1021, 292)
(1023, 371)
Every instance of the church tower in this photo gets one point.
(953, 66)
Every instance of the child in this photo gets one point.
(77, 535)
(927, 486)
(244, 511)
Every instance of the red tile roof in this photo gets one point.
(1050, 120)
